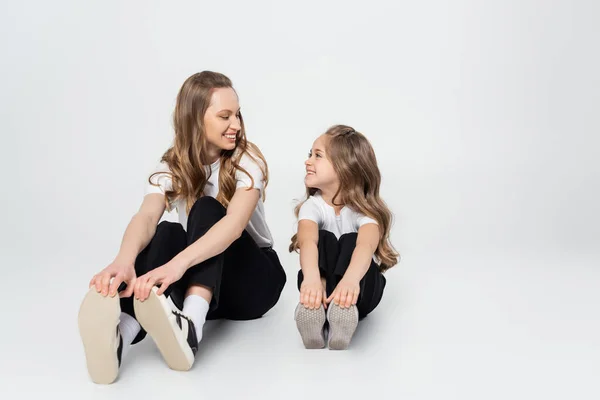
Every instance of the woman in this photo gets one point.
(216, 262)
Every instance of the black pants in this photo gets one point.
(334, 259)
(246, 280)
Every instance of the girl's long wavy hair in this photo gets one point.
(186, 158)
(355, 164)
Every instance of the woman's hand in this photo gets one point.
(163, 276)
(345, 293)
(312, 293)
(119, 272)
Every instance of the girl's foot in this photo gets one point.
(342, 324)
(310, 324)
(173, 332)
(98, 322)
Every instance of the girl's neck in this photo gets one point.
(327, 195)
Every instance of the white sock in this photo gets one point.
(129, 328)
(196, 307)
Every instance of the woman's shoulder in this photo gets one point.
(250, 160)
(161, 166)
(160, 179)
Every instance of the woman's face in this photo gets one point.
(222, 122)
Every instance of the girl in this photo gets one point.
(342, 237)
(216, 262)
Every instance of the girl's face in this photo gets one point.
(222, 121)
(319, 170)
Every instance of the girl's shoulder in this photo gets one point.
(316, 197)
(360, 218)
(309, 202)
(311, 209)
(316, 202)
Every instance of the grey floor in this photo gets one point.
(520, 328)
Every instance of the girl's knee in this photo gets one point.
(325, 236)
(348, 239)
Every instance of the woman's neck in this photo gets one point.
(212, 154)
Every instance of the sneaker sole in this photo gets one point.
(153, 315)
(342, 325)
(310, 325)
(97, 320)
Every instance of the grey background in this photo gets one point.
(484, 117)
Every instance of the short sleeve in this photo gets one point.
(310, 210)
(159, 180)
(253, 168)
(363, 220)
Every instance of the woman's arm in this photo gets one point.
(138, 234)
(220, 236)
(141, 228)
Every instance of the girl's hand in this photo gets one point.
(163, 276)
(119, 272)
(345, 293)
(312, 293)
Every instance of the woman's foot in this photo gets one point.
(342, 325)
(310, 324)
(173, 332)
(98, 322)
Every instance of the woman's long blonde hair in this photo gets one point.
(355, 164)
(187, 159)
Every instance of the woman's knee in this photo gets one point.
(256, 307)
(169, 230)
(206, 210)
(168, 240)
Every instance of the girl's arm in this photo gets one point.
(308, 246)
(138, 234)
(366, 245)
(312, 293)
(347, 291)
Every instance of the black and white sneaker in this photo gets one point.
(98, 322)
(173, 332)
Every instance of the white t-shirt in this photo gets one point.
(257, 227)
(317, 210)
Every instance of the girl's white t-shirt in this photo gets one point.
(317, 210)
(257, 226)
